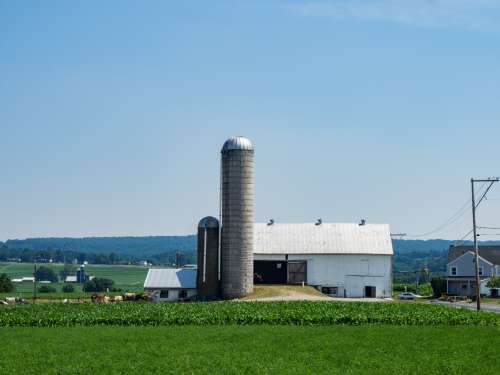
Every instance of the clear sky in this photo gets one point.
(112, 114)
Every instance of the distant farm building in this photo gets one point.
(81, 276)
(24, 280)
(170, 284)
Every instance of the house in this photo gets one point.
(340, 259)
(461, 272)
(171, 284)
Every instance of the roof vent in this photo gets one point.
(271, 222)
(319, 222)
(362, 222)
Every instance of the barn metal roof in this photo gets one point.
(237, 143)
(326, 238)
(163, 278)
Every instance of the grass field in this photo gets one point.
(251, 350)
(127, 278)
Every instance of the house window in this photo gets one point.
(480, 271)
(183, 293)
(164, 294)
(453, 271)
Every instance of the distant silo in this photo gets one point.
(207, 278)
(237, 217)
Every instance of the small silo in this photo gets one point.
(237, 217)
(207, 277)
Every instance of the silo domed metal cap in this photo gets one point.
(237, 143)
(208, 222)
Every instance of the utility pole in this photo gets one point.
(474, 230)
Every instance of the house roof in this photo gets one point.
(489, 253)
(326, 238)
(471, 254)
(171, 278)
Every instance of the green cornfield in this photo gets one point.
(242, 313)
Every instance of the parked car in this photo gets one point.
(408, 296)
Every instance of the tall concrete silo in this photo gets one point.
(237, 217)
(207, 278)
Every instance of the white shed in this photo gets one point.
(343, 260)
(171, 284)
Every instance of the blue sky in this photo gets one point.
(112, 114)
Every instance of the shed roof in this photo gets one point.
(183, 278)
(326, 238)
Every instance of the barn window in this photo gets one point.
(453, 271)
(164, 294)
(480, 271)
(331, 291)
(183, 293)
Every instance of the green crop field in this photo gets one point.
(251, 350)
(242, 313)
(127, 278)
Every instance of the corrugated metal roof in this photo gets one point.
(327, 238)
(184, 278)
(237, 143)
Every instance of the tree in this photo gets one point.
(493, 282)
(98, 285)
(6, 285)
(438, 286)
(46, 274)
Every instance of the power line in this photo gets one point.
(453, 219)
(461, 240)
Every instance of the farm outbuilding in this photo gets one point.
(171, 284)
(342, 260)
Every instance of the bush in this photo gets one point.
(6, 285)
(68, 288)
(98, 285)
(493, 282)
(46, 289)
(438, 286)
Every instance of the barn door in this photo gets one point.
(297, 272)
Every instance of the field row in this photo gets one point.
(242, 313)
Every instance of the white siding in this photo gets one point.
(173, 294)
(349, 272)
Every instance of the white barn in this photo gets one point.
(342, 260)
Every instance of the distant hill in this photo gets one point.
(135, 246)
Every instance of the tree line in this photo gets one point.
(8, 254)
